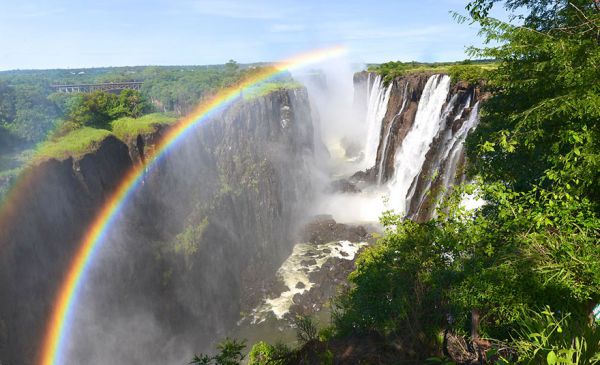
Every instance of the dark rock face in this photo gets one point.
(57, 201)
(215, 213)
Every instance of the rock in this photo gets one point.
(300, 285)
(343, 186)
(310, 262)
(324, 229)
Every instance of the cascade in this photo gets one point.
(386, 137)
(378, 97)
(458, 145)
(410, 157)
(447, 138)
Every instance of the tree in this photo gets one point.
(230, 353)
(99, 108)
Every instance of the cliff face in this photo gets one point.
(444, 157)
(215, 214)
(57, 201)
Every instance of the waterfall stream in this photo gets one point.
(378, 97)
(410, 157)
(386, 137)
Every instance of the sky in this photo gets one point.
(40, 34)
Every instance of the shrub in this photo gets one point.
(230, 353)
(264, 354)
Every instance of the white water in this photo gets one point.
(458, 145)
(410, 157)
(296, 269)
(386, 137)
(448, 139)
(378, 97)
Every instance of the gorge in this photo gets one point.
(209, 234)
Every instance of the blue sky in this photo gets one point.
(84, 33)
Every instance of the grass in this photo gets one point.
(125, 128)
(464, 70)
(74, 144)
(266, 88)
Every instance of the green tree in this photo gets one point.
(230, 353)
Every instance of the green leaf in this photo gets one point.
(551, 358)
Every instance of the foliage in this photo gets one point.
(553, 338)
(306, 329)
(398, 285)
(26, 111)
(187, 243)
(472, 74)
(127, 127)
(535, 160)
(266, 88)
(472, 71)
(230, 353)
(29, 109)
(74, 144)
(263, 353)
(536, 14)
(99, 108)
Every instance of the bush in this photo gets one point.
(306, 329)
(264, 354)
(230, 353)
(470, 73)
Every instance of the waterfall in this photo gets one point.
(446, 139)
(386, 137)
(410, 157)
(378, 98)
(458, 145)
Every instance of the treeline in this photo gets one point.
(468, 70)
(29, 109)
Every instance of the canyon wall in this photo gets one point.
(215, 215)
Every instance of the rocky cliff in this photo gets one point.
(216, 213)
(443, 154)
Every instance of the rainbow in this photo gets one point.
(64, 304)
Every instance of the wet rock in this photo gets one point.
(300, 285)
(344, 186)
(324, 229)
(310, 262)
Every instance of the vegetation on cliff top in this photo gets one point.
(266, 88)
(74, 144)
(470, 71)
(127, 127)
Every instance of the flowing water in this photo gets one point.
(378, 98)
(386, 137)
(410, 157)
